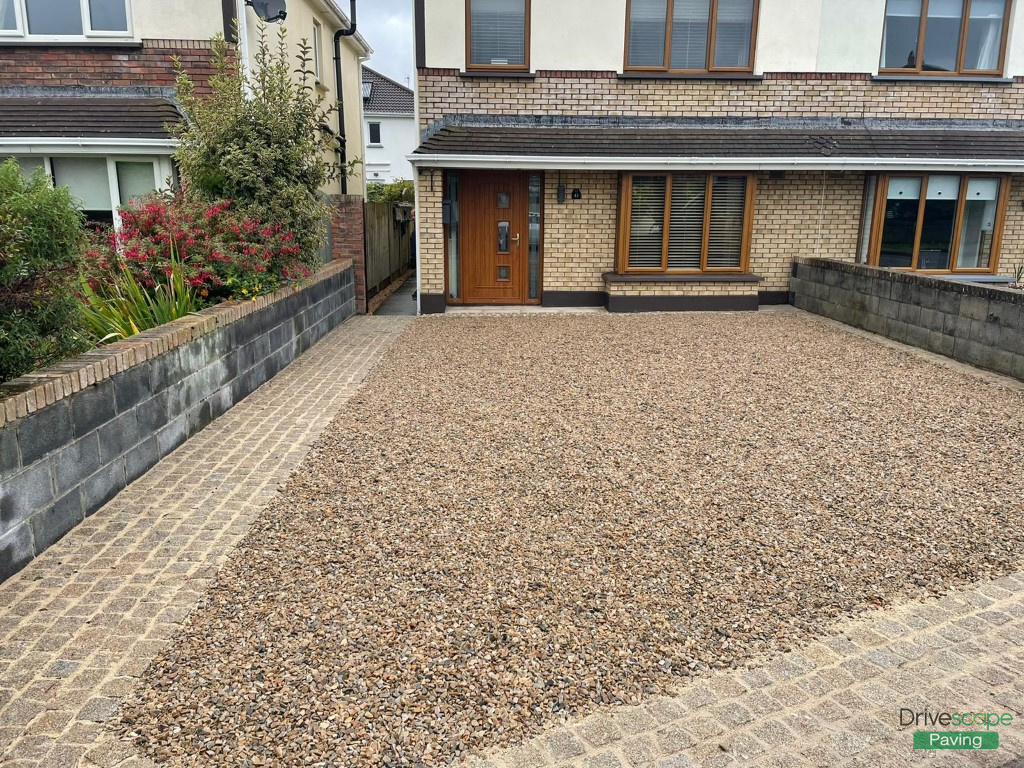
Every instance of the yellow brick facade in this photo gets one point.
(443, 92)
(579, 235)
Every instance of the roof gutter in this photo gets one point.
(108, 145)
(340, 88)
(554, 163)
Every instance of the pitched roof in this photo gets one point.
(87, 117)
(723, 139)
(383, 96)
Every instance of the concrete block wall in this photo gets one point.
(72, 436)
(974, 323)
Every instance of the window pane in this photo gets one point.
(867, 219)
(647, 20)
(937, 225)
(54, 17)
(686, 223)
(725, 234)
(28, 165)
(979, 225)
(732, 33)
(453, 235)
(534, 257)
(690, 34)
(375, 133)
(942, 35)
(108, 15)
(7, 20)
(899, 40)
(985, 34)
(498, 32)
(899, 227)
(134, 180)
(87, 178)
(646, 222)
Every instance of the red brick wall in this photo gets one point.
(347, 240)
(149, 65)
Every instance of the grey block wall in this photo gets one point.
(62, 463)
(974, 323)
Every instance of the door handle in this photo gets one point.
(516, 239)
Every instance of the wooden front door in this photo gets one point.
(495, 237)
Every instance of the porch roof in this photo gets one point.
(737, 144)
(88, 117)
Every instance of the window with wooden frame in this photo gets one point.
(945, 37)
(691, 36)
(498, 35)
(685, 222)
(937, 222)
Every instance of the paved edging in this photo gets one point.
(82, 621)
(834, 702)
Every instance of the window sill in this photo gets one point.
(498, 74)
(696, 277)
(375, 146)
(694, 76)
(942, 79)
(63, 43)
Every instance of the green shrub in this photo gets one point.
(123, 306)
(41, 246)
(394, 192)
(257, 140)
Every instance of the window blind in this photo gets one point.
(498, 32)
(725, 233)
(647, 19)
(733, 28)
(690, 23)
(54, 17)
(647, 222)
(87, 178)
(686, 223)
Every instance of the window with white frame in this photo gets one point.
(318, 66)
(375, 134)
(101, 184)
(64, 19)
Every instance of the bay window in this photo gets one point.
(64, 19)
(685, 222)
(691, 36)
(498, 34)
(936, 222)
(929, 37)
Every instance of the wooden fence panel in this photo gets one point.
(388, 246)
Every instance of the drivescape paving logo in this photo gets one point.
(975, 738)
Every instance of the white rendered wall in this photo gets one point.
(398, 139)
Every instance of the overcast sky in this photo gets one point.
(387, 27)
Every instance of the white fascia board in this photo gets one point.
(342, 17)
(93, 146)
(540, 163)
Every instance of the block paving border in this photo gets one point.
(834, 702)
(81, 623)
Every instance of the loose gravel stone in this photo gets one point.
(522, 519)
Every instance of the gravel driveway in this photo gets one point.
(521, 519)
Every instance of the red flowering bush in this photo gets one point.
(222, 252)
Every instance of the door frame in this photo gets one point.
(461, 173)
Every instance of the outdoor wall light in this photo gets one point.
(577, 194)
(271, 11)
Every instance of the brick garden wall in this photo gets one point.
(75, 434)
(348, 240)
(973, 323)
(150, 65)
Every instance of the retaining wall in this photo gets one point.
(975, 323)
(74, 434)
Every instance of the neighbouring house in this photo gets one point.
(659, 155)
(87, 89)
(389, 109)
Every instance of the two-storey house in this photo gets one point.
(679, 154)
(86, 86)
(389, 109)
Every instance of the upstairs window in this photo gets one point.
(499, 34)
(691, 36)
(685, 222)
(943, 37)
(58, 19)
